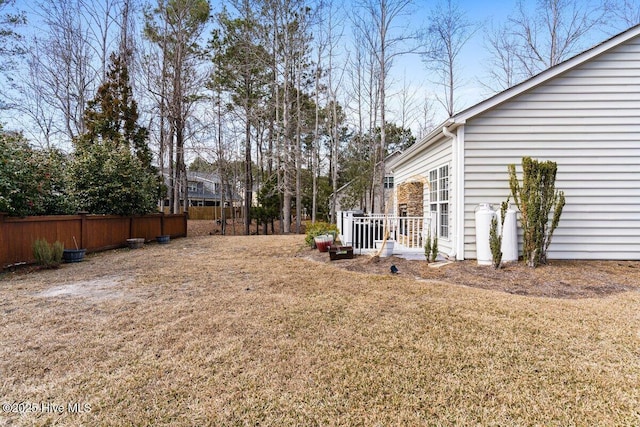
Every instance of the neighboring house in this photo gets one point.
(205, 190)
(346, 202)
(583, 114)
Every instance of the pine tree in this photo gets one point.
(112, 171)
(113, 114)
(240, 69)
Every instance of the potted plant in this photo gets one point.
(319, 228)
(323, 242)
(73, 255)
(164, 239)
(135, 243)
(385, 247)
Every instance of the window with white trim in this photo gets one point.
(439, 199)
(388, 182)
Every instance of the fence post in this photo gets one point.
(162, 233)
(186, 217)
(84, 232)
(3, 251)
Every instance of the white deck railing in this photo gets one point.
(362, 232)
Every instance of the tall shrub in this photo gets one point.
(17, 194)
(32, 181)
(108, 179)
(536, 197)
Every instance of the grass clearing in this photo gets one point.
(247, 330)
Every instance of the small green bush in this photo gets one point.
(495, 238)
(318, 228)
(47, 255)
(427, 248)
(495, 243)
(431, 248)
(434, 249)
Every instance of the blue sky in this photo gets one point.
(472, 60)
(473, 63)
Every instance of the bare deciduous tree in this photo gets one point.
(328, 40)
(628, 12)
(447, 33)
(385, 40)
(426, 117)
(409, 112)
(502, 65)
(534, 39)
(31, 101)
(65, 62)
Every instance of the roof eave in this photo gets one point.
(425, 142)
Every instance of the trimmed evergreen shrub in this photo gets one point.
(536, 197)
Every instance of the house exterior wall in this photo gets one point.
(417, 167)
(588, 121)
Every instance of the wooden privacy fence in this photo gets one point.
(210, 212)
(91, 232)
(213, 212)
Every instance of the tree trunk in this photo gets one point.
(248, 179)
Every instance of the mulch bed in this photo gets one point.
(558, 279)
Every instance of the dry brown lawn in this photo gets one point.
(259, 330)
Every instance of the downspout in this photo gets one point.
(454, 211)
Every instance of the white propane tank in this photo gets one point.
(484, 214)
(509, 246)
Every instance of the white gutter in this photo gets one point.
(457, 164)
(459, 195)
(454, 164)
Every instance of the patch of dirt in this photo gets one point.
(558, 279)
(98, 289)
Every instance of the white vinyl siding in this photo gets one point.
(417, 168)
(588, 121)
